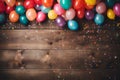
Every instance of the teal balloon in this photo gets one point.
(110, 3)
(66, 4)
(45, 9)
(2, 18)
(20, 9)
(73, 25)
(23, 20)
(99, 19)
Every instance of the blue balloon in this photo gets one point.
(45, 9)
(20, 9)
(23, 20)
(73, 25)
(99, 19)
(2, 18)
(66, 4)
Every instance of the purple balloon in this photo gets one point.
(60, 21)
(89, 14)
(116, 9)
(38, 7)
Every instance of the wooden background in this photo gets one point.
(45, 52)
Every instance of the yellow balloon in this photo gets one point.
(52, 15)
(111, 14)
(91, 2)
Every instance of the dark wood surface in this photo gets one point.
(45, 52)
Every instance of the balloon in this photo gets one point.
(45, 9)
(9, 9)
(101, 8)
(47, 3)
(23, 20)
(66, 4)
(110, 3)
(58, 1)
(90, 2)
(81, 13)
(78, 4)
(58, 9)
(38, 2)
(116, 9)
(20, 9)
(87, 6)
(110, 14)
(70, 14)
(52, 15)
(29, 4)
(31, 14)
(2, 6)
(41, 17)
(99, 19)
(10, 3)
(19, 3)
(2, 18)
(73, 25)
(38, 7)
(13, 16)
(60, 21)
(89, 14)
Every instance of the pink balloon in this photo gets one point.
(58, 1)
(70, 14)
(116, 9)
(41, 17)
(58, 9)
(101, 8)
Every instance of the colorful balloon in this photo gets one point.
(20, 9)
(9, 9)
(73, 25)
(31, 14)
(10, 3)
(101, 8)
(29, 4)
(41, 17)
(99, 19)
(110, 3)
(45, 9)
(111, 14)
(2, 6)
(38, 2)
(13, 16)
(2, 18)
(90, 2)
(89, 14)
(52, 15)
(89, 7)
(47, 3)
(78, 4)
(60, 21)
(66, 4)
(70, 14)
(23, 20)
(19, 3)
(81, 13)
(38, 7)
(58, 9)
(116, 9)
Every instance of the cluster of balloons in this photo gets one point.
(61, 11)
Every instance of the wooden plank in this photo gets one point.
(57, 74)
(60, 59)
(58, 39)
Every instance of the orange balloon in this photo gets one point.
(19, 3)
(31, 14)
(10, 3)
(13, 16)
(89, 6)
(47, 3)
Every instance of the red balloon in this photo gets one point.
(47, 3)
(78, 4)
(19, 3)
(9, 9)
(2, 6)
(81, 13)
(29, 4)
(39, 2)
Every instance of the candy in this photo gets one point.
(73, 25)
(13, 16)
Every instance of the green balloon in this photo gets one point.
(110, 3)
(2, 18)
(66, 4)
(23, 20)
(20, 9)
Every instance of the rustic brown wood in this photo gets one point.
(58, 39)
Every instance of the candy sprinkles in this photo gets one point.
(62, 12)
